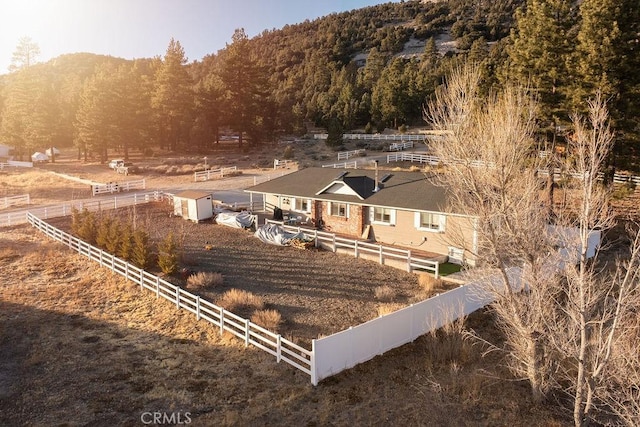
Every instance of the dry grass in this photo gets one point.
(449, 344)
(428, 283)
(239, 299)
(387, 308)
(269, 319)
(384, 293)
(204, 279)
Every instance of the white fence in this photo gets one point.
(399, 146)
(22, 199)
(618, 178)
(375, 137)
(358, 344)
(344, 155)
(249, 332)
(16, 164)
(283, 164)
(365, 249)
(116, 187)
(20, 217)
(345, 165)
(213, 173)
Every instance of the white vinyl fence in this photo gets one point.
(22, 199)
(345, 155)
(345, 165)
(250, 333)
(399, 146)
(558, 174)
(15, 164)
(20, 217)
(344, 350)
(359, 249)
(283, 164)
(116, 187)
(213, 173)
(375, 137)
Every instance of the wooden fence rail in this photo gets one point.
(22, 199)
(208, 174)
(250, 333)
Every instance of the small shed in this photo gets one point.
(193, 205)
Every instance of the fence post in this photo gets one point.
(315, 237)
(409, 260)
(355, 248)
(437, 274)
(197, 307)
(246, 332)
(312, 364)
(221, 320)
(381, 255)
(100, 257)
(141, 279)
(334, 244)
(157, 287)
(278, 348)
(178, 297)
(115, 202)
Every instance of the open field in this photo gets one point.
(80, 346)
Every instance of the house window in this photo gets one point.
(301, 205)
(383, 215)
(430, 221)
(339, 209)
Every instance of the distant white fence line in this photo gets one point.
(345, 165)
(22, 199)
(15, 164)
(65, 209)
(116, 187)
(399, 146)
(213, 173)
(618, 178)
(359, 249)
(344, 155)
(250, 333)
(376, 137)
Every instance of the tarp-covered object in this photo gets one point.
(276, 235)
(39, 157)
(235, 219)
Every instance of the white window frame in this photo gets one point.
(372, 215)
(441, 221)
(296, 205)
(346, 215)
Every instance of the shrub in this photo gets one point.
(235, 299)
(288, 153)
(141, 253)
(83, 224)
(102, 232)
(204, 279)
(449, 343)
(114, 237)
(268, 319)
(384, 293)
(168, 255)
(126, 242)
(428, 283)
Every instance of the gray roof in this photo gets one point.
(402, 190)
(192, 194)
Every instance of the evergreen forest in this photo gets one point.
(369, 69)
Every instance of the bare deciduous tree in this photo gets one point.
(561, 313)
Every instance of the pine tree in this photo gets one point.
(168, 255)
(141, 253)
(173, 97)
(126, 242)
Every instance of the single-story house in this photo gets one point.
(394, 208)
(193, 205)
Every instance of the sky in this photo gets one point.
(143, 28)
